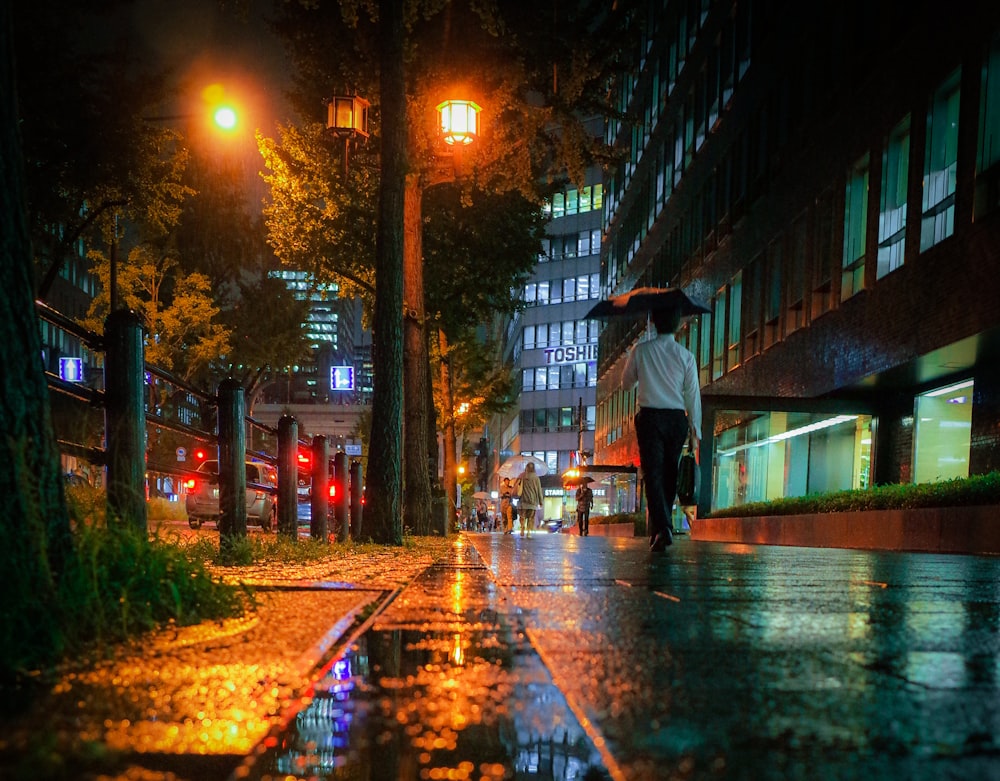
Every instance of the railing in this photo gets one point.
(141, 402)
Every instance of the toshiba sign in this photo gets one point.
(571, 354)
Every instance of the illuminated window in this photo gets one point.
(988, 150)
(942, 433)
(892, 206)
(940, 165)
(855, 228)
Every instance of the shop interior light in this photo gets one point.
(951, 388)
(795, 432)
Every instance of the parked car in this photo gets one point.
(305, 503)
(202, 500)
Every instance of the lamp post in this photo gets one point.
(458, 121)
(347, 118)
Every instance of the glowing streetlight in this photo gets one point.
(459, 121)
(225, 117)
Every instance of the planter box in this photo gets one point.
(935, 529)
(607, 530)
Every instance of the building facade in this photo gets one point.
(340, 368)
(554, 350)
(827, 177)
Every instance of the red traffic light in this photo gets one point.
(333, 490)
(200, 454)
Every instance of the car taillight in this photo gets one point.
(190, 483)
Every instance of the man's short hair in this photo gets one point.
(667, 321)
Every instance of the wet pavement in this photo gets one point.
(560, 657)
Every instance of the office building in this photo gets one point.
(553, 350)
(825, 175)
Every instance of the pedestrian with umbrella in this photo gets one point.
(584, 502)
(529, 488)
(669, 397)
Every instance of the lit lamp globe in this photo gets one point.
(459, 121)
(225, 117)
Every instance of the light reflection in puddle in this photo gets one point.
(405, 703)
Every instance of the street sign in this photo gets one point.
(342, 378)
(181, 454)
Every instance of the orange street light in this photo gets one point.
(459, 121)
(226, 117)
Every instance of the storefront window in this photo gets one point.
(771, 455)
(942, 435)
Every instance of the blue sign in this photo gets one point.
(342, 378)
(71, 369)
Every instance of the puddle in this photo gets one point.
(443, 686)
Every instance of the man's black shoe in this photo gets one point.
(661, 542)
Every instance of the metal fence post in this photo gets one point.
(288, 477)
(125, 418)
(357, 498)
(232, 462)
(320, 499)
(342, 499)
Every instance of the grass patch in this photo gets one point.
(960, 492)
(117, 584)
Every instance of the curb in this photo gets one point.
(961, 530)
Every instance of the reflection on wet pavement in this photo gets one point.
(558, 657)
(443, 685)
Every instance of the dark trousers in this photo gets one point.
(661, 434)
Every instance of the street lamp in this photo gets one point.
(459, 121)
(347, 118)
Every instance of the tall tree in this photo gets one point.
(35, 543)
(537, 75)
(383, 483)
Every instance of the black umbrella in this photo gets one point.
(646, 299)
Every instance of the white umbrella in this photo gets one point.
(480, 495)
(514, 466)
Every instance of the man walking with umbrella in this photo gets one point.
(669, 400)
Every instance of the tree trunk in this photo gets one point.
(383, 484)
(449, 467)
(35, 540)
(417, 503)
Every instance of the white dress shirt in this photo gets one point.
(668, 377)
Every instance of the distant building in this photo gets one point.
(826, 175)
(340, 370)
(553, 349)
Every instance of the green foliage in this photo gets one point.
(126, 584)
(960, 492)
(638, 521)
(183, 334)
(118, 584)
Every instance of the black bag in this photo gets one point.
(688, 476)
(513, 511)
